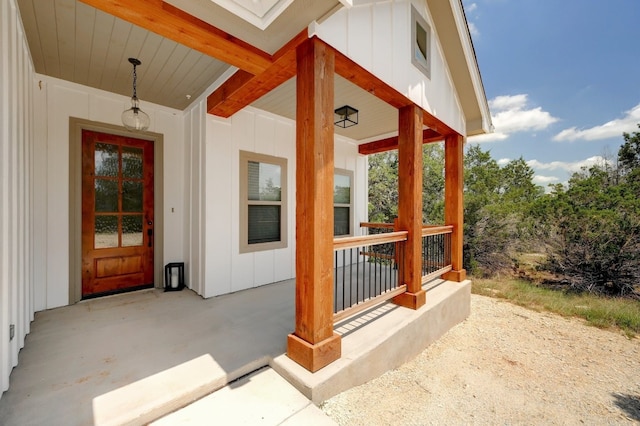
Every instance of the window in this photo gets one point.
(420, 43)
(263, 206)
(342, 202)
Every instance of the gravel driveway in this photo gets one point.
(505, 365)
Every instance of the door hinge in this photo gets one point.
(12, 331)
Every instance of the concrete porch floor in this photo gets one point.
(133, 358)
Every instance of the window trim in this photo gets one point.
(418, 20)
(245, 158)
(350, 174)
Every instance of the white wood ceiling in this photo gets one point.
(75, 42)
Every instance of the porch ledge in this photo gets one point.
(391, 336)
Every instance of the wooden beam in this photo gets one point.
(177, 25)
(359, 76)
(387, 144)
(314, 343)
(410, 204)
(243, 88)
(454, 202)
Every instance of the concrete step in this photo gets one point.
(262, 397)
(145, 400)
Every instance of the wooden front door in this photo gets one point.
(117, 213)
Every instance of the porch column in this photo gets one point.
(410, 204)
(454, 202)
(314, 343)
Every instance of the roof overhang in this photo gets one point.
(453, 31)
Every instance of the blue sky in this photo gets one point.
(562, 78)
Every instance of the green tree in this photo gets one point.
(592, 227)
(383, 187)
(497, 219)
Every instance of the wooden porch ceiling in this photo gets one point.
(259, 72)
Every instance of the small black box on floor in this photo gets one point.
(174, 276)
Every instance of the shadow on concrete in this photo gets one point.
(80, 355)
(630, 404)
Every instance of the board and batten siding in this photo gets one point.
(16, 189)
(216, 265)
(58, 101)
(377, 36)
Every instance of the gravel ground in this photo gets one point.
(505, 365)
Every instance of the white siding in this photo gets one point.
(372, 33)
(56, 102)
(225, 269)
(16, 189)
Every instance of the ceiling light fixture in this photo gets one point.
(134, 118)
(345, 116)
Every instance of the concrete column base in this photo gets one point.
(411, 300)
(456, 276)
(314, 357)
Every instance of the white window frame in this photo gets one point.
(348, 173)
(245, 158)
(417, 21)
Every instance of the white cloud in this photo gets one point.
(472, 7)
(610, 129)
(512, 114)
(574, 166)
(473, 29)
(544, 180)
(503, 161)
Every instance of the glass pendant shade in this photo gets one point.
(134, 118)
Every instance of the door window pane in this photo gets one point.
(264, 181)
(106, 231)
(131, 196)
(106, 159)
(132, 230)
(131, 163)
(264, 224)
(106, 195)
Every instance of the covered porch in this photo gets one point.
(133, 358)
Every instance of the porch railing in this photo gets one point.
(436, 251)
(366, 271)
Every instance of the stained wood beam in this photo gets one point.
(314, 343)
(387, 144)
(359, 76)
(410, 204)
(454, 203)
(181, 27)
(242, 88)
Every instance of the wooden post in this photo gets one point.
(410, 204)
(454, 202)
(314, 343)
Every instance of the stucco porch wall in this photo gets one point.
(380, 340)
(213, 145)
(377, 36)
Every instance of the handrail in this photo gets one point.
(366, 240)
(436, 229)
(376, 225)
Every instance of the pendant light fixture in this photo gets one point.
(134, 118)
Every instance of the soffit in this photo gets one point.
(375, 117)
(75, 42)
(453, 31)
(290, 21)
